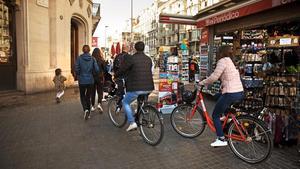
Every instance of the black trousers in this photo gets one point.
(98, 86)
(85, 96)
(120, 90)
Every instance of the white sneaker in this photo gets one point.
(100, 107)
(222, 119)
(86, 114)
(219, 143)
(92, 108)
(131, 126)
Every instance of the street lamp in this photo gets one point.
(105, 51)
(131, 27)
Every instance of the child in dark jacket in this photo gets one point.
(59, 80)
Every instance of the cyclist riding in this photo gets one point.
(139, 80)
(232, 89)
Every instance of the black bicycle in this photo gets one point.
(147, 117)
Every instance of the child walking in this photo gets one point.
(59, 84)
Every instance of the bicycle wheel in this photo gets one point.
(115, 113)
(185, 125)
(151, 125)
(258, 144)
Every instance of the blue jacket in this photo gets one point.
(85, 67)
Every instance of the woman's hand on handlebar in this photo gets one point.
(200, 84)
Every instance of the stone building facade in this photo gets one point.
(43, 35)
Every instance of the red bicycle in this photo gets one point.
(248, 137)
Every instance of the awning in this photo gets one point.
(224, 11)
(177, 19)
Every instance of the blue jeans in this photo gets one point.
(224, 101)
(128, 99)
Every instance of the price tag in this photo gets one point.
(285, 41)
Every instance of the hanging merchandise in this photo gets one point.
(184, 72)
(168, 81)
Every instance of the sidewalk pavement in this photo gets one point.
(37, 133)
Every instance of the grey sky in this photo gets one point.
(114, 14)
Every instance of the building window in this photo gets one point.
(5, 34)
(181, 36)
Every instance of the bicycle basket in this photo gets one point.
(189, 96)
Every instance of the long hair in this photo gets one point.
(224, 51)
(97, 53)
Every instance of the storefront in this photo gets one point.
(8, 66)
(265, 36)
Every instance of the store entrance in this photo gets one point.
(74, 46)
(78, 39)
(8, 66)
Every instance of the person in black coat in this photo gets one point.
(120, 81)
(139, 79)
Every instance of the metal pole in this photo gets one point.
(105, 51)
(131, 31)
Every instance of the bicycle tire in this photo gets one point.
(117, 118)
(181, 129)
(248, 123)
(147, 122)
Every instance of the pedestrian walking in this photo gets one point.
(193, 70)
(99, 80)
(59, 81)
(86, 67)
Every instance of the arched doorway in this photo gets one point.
(78, 38)
(8, 65)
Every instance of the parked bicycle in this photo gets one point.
(147, 117)
(248, 137)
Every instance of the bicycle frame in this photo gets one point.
(240, 128)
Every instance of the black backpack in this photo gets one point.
(118, 62)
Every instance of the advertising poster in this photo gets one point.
(168, 90)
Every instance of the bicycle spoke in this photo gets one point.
(257, 145)
(185, 124)
(151, 127)
(268, 131)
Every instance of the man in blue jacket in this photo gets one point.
(86, 68)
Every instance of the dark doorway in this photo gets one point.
(8, 65)
(74, 46)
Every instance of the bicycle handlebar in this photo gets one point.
(199, 87)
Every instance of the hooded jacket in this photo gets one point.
(85, 67)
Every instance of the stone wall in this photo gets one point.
(43, 40)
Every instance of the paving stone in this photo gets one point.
(40, 134)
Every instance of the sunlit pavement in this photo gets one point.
(37, 133)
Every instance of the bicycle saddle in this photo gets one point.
(143, 97)
(233, 106)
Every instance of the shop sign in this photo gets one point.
(95, 42)
(222, 18)
(281, 2)
(204, 36)
(240, 11)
